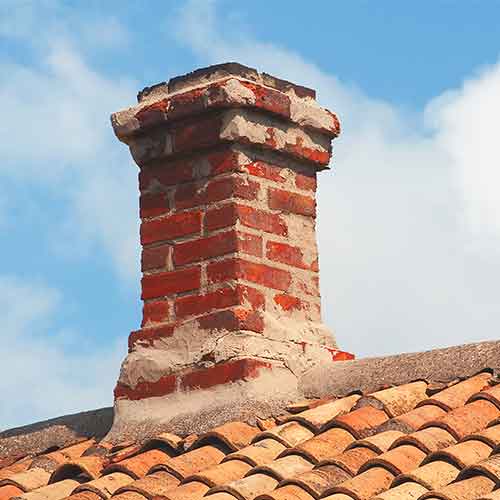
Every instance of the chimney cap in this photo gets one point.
(203, 76)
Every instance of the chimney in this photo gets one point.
(228, 159)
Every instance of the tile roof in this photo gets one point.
(418, 440)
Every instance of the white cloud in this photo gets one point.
(409, 249)
(46, 371)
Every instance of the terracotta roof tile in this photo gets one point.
(247, 488)
(319, 417)
(428, 440)
(494, 495)
(222, 473)
(432, 475)
(139, 465)
(351, 460)
(326, 445)
(28, 480)
(405, 491)
(463, 490)
(105, 486)
(365, 485)
(89, 467)
(234, 435)
(285, 467)
(259, 453)
(289, 434)
(490, 436)
(398, 460)
(155, 484)
(188, 491)
(361, 421)
(9, 491)
(414, 419)
(55, 491)
(458, 394)
(397, 400)
(489, 467)
(85, 495)
(378, 442)
(288, 492)
(462, 454)
(16, 467)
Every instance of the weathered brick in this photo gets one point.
(167, 283)
(200, 304)
(216, 245)
(156, 311)
(200, 193)
(232, 320)
(265, 170)
(227, 215)
(288, 302)
(165, 385)
(241, 369)
(153, 204)
(288, 254)
(257, 273)
(270, 99)
(307, 182)
(202, 132)
(146, 336)
(294, 203)
(170, 227)
(159, 257)
(223, 161)
(166, 173)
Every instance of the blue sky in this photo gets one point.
(409, 223)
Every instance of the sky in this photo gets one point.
(409, 214)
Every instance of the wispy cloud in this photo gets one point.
(48, 370)
(409, 222)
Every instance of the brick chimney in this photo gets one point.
(228, 159)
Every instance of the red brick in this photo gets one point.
(265, 170)
(200, 304)
(248, 296)
(165, 385)
(270, 99)
(288, 254)
(204, 248)
(159, 257)
(195, 194)
(154, 113)
(314, 155)
(202, 132)
(306, 181)
(186, 103)
(223, 161)
(288, 302)
(257, 273)
(153, 204)
(241, 369)
(156, 311)
(249, 244)
(166, 173)
(294, 203)
(170, 227)
(233, 320)
(161, 284)
(148, 335)
(227, 215)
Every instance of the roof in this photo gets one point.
(415, 440)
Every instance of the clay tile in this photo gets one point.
(51, 460)
(398, 460)
(54, 491)
(490, 435)
(289, 434)
(428, 440)
(105, 486)
(28, 480)
(491, 394)
(221, 473)
(285, 467)
(170, 443)
(307, 404)
(324, 446)
(20, 466)
(414, 419)
(462, 454)
(378, 442)
(234, 435)
(265, 423)
(259, 453)
(89, 467)
(222, 495)
(8, 491)
(191, 462)
(288, 492)
(359, 422)
(85, 495)
(494, 495)
(247, 488)
(396, 400)
(129, 495)
(489, 467)
(339, 496)
(351, 460)
(319, 417)
(188, 491)
(156, 484)
(467, 489)
(467, 419)
(117, 455)
(138, 465)
(365, 485)
(318, 480)
(458, 394)
(405, 491)
(433, 475)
